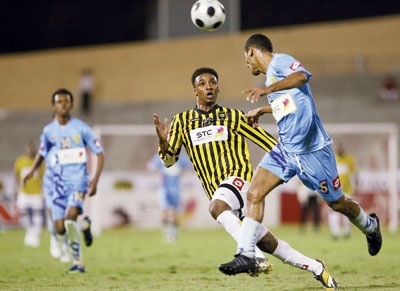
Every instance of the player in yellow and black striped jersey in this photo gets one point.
(215, 140)
(30, 200)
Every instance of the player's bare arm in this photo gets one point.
(253, 94)
(254, 114)
(38, 161)
(292, 81)
(162, 132)
(92, 189)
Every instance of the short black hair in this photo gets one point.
(259, 41)
(61, 91)
(203, 70)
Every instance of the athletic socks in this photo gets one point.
(364, 222)
(334, 223)
(74, 241)
(248, 237)
(232, 225)
(290, 256)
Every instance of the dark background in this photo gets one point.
(44, 24)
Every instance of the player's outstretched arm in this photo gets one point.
(253, 94)
(162, 132)
(292, 81)
(254, 114)
(36, 164)
(92, 189)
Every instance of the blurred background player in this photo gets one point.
(71, 138)
(30, 201)
(2, 228)
(169, 193)
(310, 202)
(86, 86)
(340, 225)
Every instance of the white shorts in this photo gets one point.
(33, 201)
(233, 191)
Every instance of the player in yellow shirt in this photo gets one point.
(30, 201)
(339, 225)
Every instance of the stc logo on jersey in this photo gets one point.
(208, 134)
(220, 132)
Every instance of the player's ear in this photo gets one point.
(250, 51)
(195, 92)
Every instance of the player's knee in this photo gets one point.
(216, 207)
(255, 196)
(336, 205)
(59, 227)
(346, 206)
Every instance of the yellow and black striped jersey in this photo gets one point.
(216, 144)
(22, 166)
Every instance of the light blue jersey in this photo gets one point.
(71, 175)
(299, 125)
(170, 188)
(304, 147)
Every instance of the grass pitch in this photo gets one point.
(134, 259)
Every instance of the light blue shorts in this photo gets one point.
(65, 195)
(48, 189)
(169, 198)
(317, 170)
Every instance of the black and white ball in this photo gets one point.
(208, 15)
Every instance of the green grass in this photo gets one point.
(133, 259)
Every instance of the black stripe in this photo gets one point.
(235, 191)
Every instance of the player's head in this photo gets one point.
(201, 71)
(259, 41)
(338, 147)
(205, 87)
(257, 51)
(31, 149)
(62, 91)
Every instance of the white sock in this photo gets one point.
(232, 225)
(334, 223)
(290, 256)
(37, 223)
(51, 228)
(61, 239)
(346, 227)
(364, 222)
(248, 237)
(74, 241)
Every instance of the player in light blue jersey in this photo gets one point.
(304, 149)
(71, 138)
(169, 194)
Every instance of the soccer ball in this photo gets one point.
(208, 15)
